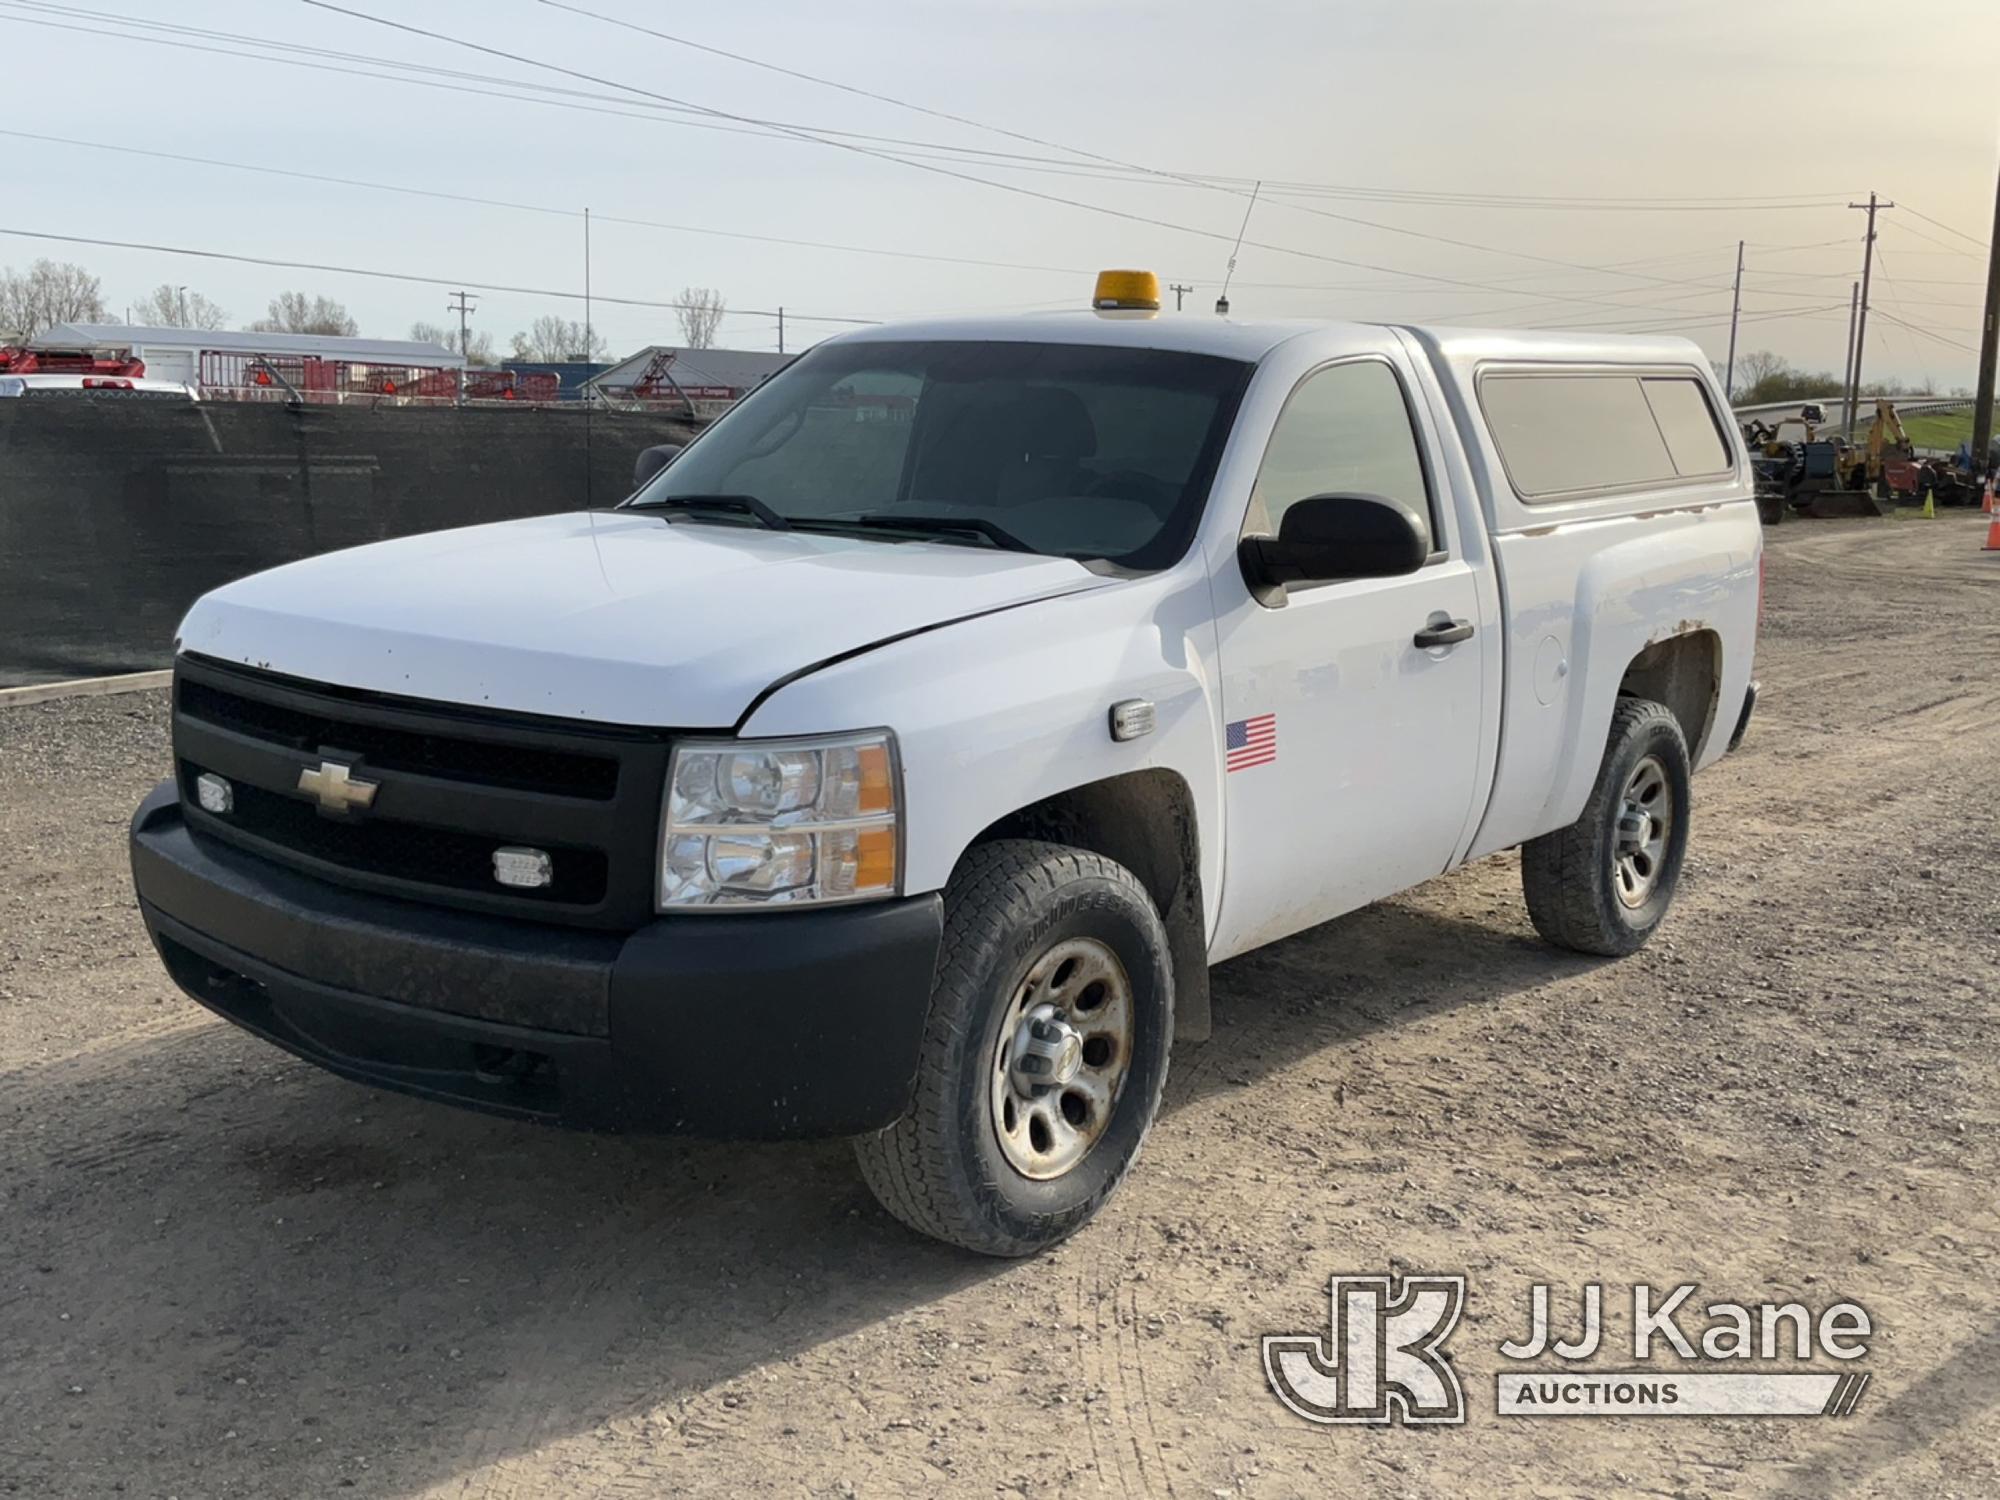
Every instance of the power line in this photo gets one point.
(1982, 244)
(515, 205)
(1599, 206)
(535, 208)
(1931, 239)
(501, 88)
(1786, 249)
(1255, 187)
(815, 137)
(1690, 320)
(404, 276)
(566, 98)
(847, 88)
(778, 129)
(1849, 276)
(1191, 178)
(1926, 332)
(806, 134)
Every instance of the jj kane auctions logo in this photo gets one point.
(1382, 1359)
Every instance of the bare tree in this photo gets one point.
(1757, 368)
(47, 293)
(295, 312)
(1763, 377)
(168, 306)
(700, 310)
(554, 340)
(478, 348)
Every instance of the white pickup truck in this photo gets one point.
(897, 760)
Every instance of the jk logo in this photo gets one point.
(1381, 1363)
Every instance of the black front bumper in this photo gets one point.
(743, 1025)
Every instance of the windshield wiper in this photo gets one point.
(945, 526)
(740, 505)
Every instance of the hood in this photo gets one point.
(618, 617)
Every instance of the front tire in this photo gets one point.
(1044, 1052)
(1605, 882)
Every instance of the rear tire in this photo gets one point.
(988, 1159)
(1605, 882)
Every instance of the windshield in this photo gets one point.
(1066, 449)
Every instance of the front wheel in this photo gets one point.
(1605, 882)
(1044, 1052)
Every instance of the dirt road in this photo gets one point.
(223, 1273)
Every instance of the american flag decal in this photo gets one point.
(1252, 742)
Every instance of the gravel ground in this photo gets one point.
(223, 1273)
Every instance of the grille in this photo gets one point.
(406, 851)
(454, 785)
(519, 767)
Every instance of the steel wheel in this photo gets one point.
(1064, 1051)
(1645, 823)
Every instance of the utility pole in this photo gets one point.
(1861, 325)
(1989, 346)
(1179, 292)
(1735, 308)
(781, 328)
(184, 306)
(462, 305)
(1847, 370)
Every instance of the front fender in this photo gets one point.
(996, 713)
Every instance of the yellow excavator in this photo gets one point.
(1888, 465)
(1798, 469)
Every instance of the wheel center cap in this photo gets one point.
(1070, 1058)
(1048, 1051)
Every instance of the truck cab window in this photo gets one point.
(1565, 436)
(1075, 450)
(851, 435)
(1346, 429)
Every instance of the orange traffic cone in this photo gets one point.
(1992, 534)
(1987, 504)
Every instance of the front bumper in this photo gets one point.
(759, 1025)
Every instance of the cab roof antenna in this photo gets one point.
(1222, 302)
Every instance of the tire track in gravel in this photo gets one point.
(1128, 1344)
(1087, 1311)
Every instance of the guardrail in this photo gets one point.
(1907, 405)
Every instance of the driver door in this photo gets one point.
(1351, 747)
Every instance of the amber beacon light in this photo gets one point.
(1126, 291)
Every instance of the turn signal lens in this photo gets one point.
(875, 859)
(877, 795)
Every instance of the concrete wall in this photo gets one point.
(115, 515)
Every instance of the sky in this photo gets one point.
(1584, 163)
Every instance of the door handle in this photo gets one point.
(1443, 631)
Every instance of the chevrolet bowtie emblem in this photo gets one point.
(341, 794)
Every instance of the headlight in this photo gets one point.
(780, 822)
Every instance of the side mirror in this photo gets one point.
(1325, 537)
(652, 460)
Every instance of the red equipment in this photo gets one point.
(15, 361)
